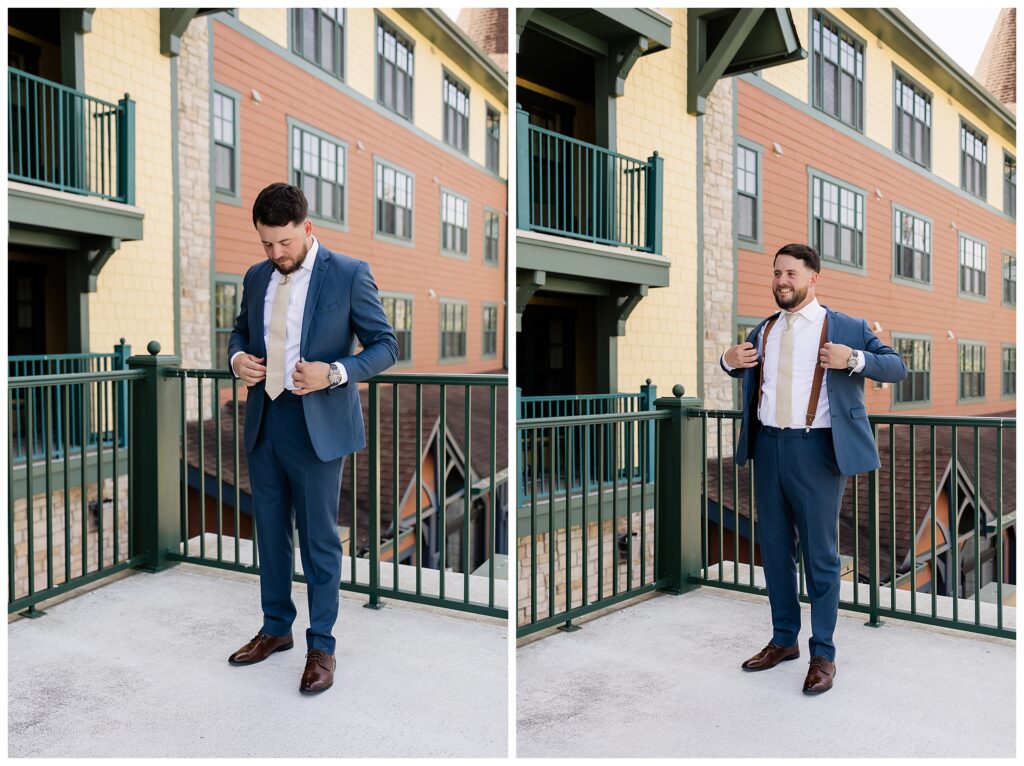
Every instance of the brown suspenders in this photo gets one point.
(819, 371)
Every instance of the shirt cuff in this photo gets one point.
(725, 365)
(861, 360)
(344, 375)
(232, 362)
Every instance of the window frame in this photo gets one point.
(399, 35)
(860, 99)
(446, 75)
(960, 346)
(899, 211)
(489, 211)
(294, 39)
(915, 85)
(490, 139)
(966, 126)
(484, 353)
(1003, 377)
(444, 250)
(983, 296)
(756, 243)
(442, 359)
(295, 124)
(215, 329)
(411, 313)
(812, 175)
(228, 196)
(1007, 255)
(380, 162)
(913, 404)
(1008, 208)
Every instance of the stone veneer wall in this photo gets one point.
(719, 260)
(195, 220)
(608, 545)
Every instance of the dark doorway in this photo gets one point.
(546, 349)
(26, 316)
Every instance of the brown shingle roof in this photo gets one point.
(997, 68)
(899, 514)
(488, 28)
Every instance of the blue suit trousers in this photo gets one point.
(285, 474)
(799, 492)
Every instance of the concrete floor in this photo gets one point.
(138, 667)
(662, 678)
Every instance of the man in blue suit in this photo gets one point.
(302, 309)
(806, 429)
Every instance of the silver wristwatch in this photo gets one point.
(854, 361)
(334, 374)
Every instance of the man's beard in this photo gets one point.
(294, 267)
(796, 297)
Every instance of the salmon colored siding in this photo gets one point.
(811, 143)
(289, 91)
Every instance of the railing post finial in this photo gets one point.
(678, 391)
(153, 348)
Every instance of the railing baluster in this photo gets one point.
(66, 414)
(533, 526)
(977, 526)
(584, 493)
(467, 491)
(442, 492)
(934, 512)
(215, 403)
(396, 507)
(184, 466)
(419, 489)
(201, 502)
(234, 466)
(11, 548)
(48, 452)
(492, 513)
(954, 525)
(892, 517)
(999, 526)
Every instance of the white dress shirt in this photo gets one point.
(296, 307)
(806, 335)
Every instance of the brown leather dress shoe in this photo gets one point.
(771, 656)
(819, 675)
(319, 673)
(261, 647)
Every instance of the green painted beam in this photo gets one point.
(707, 66)
(173, 23)
(566, 257)
(64, 213)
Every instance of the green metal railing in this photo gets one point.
(98, 428)
(583, 550)
(63, 139)
(925, 577)
(574, 189)
(552, 473)
(80, 528)
(450, 535)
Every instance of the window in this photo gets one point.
(493, 138)
(748, 224)
(491, 229)
(453, 330)
(318, 168)
(972, 371)
(399, 312)
(913, 246)
(972, 266)
(1010, 279)
(490, 330)
(1009, 370)
(917, 356)
(456, 113)
(973, 160)
(225, 143)
(318, 35)
(1009, 184)
(394, 202)
(227, 302)
(394, 69)
(837, 222)
(913, 137)
(454, 224)
(837, 71)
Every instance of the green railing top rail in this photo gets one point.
(455, 379)
(59, 86)
(60, 357)
(898, 420)
(592, 420)
(579, 397)
(585, 145)
(33, 381)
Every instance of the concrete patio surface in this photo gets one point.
(138, 668)
(662, 678)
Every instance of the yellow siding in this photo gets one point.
(361, 57)
(135, 299)
(661, 334)
(272, 23)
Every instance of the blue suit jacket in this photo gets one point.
(856, 451)
(342, 303)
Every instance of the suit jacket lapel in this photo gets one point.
(316, 281)
(260, 287)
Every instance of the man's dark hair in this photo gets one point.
(280, 204)
(805, 253)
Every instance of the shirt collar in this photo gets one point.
(812, 311)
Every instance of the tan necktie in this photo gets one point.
(784, 386)
(275, 342)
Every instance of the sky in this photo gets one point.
(960, 33)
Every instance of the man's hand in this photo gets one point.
(250, 369)
(311, 376)
(834, 356)
(743, 355)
